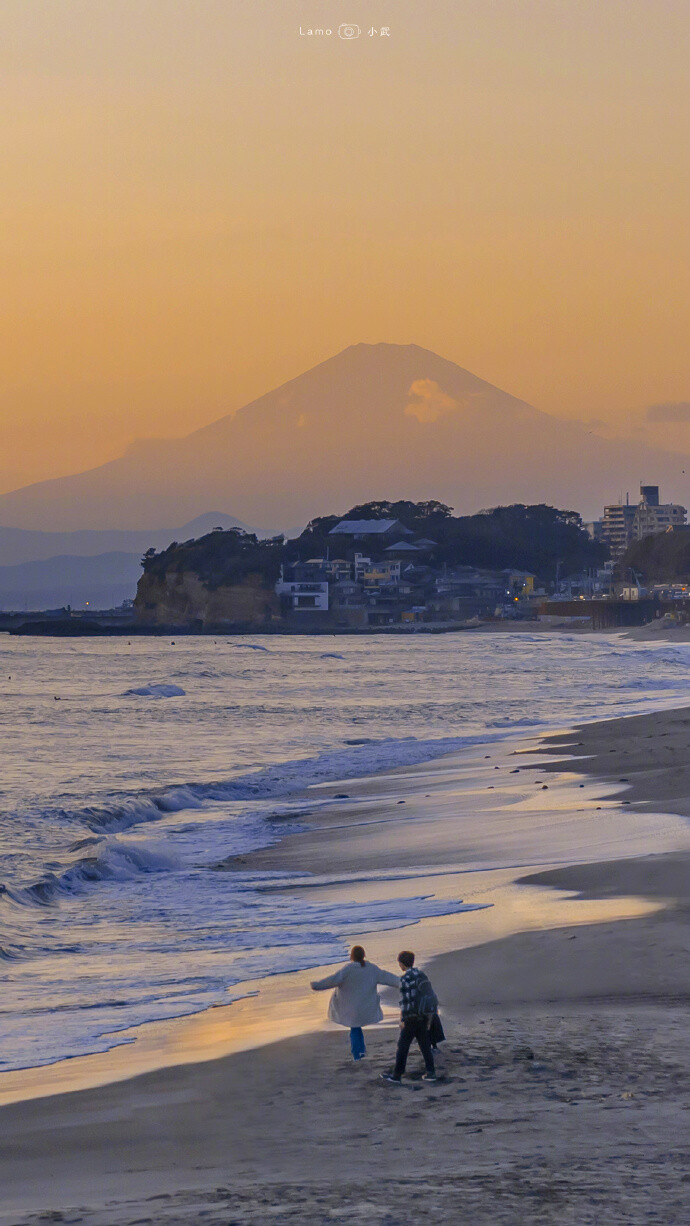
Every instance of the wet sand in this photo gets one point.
(563, 1094)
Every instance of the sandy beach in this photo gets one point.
(563, 1092)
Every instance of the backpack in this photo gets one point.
(426, 999)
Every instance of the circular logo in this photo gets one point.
(349, 31)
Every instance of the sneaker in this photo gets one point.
(391, 1077)
(429, 1077)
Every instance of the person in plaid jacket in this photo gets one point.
(413, 1024)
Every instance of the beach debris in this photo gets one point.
(342, 796)
(544, 787)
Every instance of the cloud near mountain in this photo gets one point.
(387, 421)
(429, 401)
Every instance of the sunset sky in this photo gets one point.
(199, 203)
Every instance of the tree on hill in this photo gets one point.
(219, 558)
(419, 517)
(661, 558)
(409, 513)
(538, 538)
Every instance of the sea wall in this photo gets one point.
(178, 598)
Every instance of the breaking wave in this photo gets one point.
(155, 690)
(361, 758)
(109, 860)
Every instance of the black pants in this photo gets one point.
(413, 1028)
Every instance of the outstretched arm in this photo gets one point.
(331, 981)
(390, 980)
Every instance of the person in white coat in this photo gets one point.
(355, 1002)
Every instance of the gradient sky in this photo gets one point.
(198, 204)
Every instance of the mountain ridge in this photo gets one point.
(372, 417)
(20, 545)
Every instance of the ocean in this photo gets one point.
(129, 770)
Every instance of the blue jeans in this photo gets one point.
(357, 1042)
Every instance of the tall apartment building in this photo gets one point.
(624, 523)
(652, 516)
(617, 527)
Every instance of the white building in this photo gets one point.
(652, 516)
(361, 564)
(303, 595)
(624, 522)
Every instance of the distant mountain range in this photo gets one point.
(101, 582)
(375, 421)
(43, 570)
(22, 545)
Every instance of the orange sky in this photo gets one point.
(198, 203)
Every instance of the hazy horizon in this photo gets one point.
(200, 204)
(374, 421)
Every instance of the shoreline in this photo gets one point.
(531, 973)
(83, 628)
(399, 833)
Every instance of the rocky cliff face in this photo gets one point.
(178, 598)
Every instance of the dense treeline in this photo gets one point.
(221, 558)
(540, 539)
(661, 558)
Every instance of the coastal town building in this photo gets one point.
(404, 549)
(335, 568)
(652, 516)
(359, 529)
(360, 566)
(383, 592)
(303, 595)
(467, 591)
(625, 522)
(378, 574)
(617, 528)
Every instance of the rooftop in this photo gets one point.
(403, 547)
(368, 527)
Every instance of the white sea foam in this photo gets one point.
(117, 812)
(155, 690)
